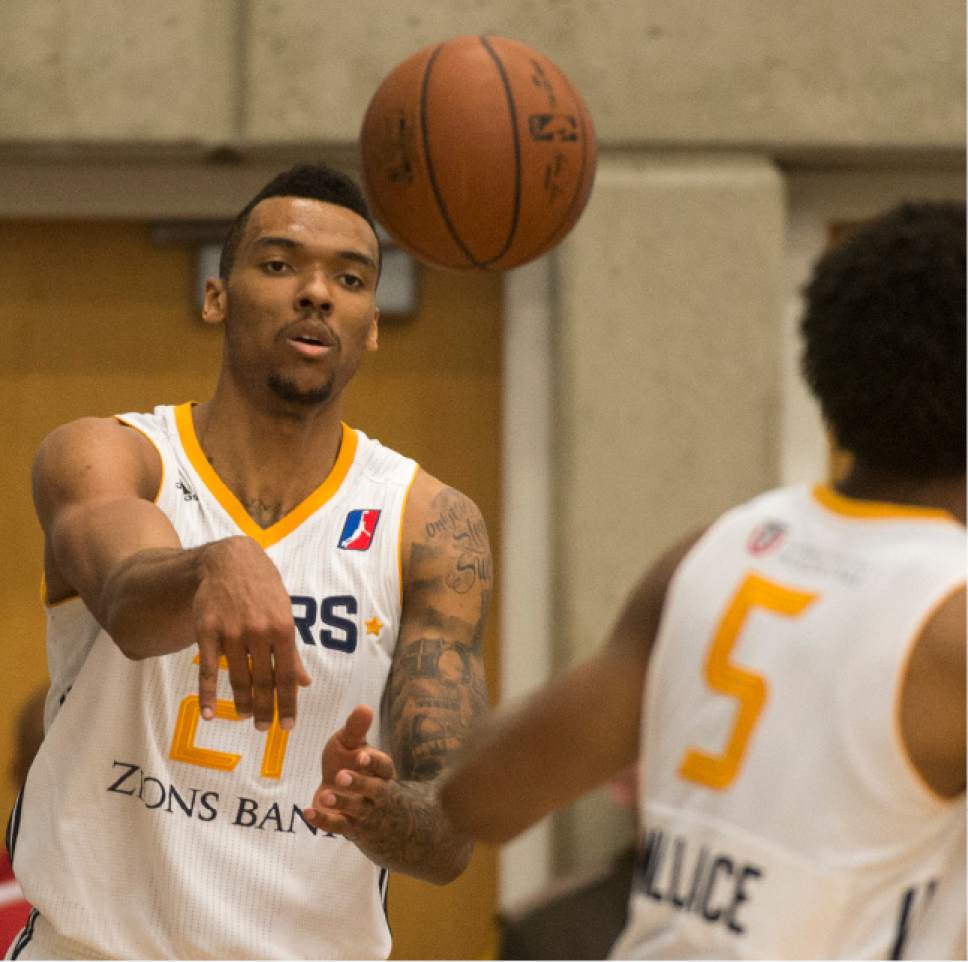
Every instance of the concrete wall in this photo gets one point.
(669, 299)
(195, 74)
(115, 72)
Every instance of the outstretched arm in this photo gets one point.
(94, 482)
(436, 693)
(564, 740)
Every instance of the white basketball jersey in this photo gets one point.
(779, 814)
(145, 832)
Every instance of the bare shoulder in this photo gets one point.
(444, 527)
(90, 458)
(932, 698)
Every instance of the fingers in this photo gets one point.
(240, 678)
(357, 725)
(374, 763)
(355, 795)
(290, 675)
(242, 609)
(265, 672)
(303, 677)
(263, 688)
(329, 821)
(207, 677)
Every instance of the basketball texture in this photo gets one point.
(478, 154)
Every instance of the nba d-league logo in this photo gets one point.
(358, 529)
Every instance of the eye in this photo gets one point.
(352, 281)
(275, 267)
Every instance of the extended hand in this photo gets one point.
(242, 611)
(358, 781)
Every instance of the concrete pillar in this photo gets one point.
(668, 383)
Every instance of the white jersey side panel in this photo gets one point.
(145, 832)
(779, 814)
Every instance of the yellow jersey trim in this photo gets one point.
(150, 440)
(403, 512)
(234, 508)
(874, 510)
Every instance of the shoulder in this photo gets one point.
(444, 532)
(435, 509)
(380, 463)
(86, 455)
(932, 697)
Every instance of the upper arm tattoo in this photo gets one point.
(437, 689)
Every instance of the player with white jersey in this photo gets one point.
(207, 564)
(793, 677)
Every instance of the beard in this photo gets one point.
(289, 391)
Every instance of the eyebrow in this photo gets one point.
(271, 240)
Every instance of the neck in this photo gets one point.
(270, 455)
(946, 493)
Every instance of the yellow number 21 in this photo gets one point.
(747, 687)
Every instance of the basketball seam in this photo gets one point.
(553, 238)
(431, 176)
(516, 211)
(377, 207)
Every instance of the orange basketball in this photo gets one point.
(478, 154)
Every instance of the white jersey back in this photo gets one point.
(144, 832)
(780, 816)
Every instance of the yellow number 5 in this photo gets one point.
(747, 687)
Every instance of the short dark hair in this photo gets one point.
(884, 340)
(315, 181)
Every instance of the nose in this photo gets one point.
(314, 294)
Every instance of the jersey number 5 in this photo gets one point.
(727, 678)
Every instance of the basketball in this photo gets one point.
(478, 154)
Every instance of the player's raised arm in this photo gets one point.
(436, 695)
(94, 484)
(547, 750)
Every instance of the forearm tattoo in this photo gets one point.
(437, 688)
(438, 693)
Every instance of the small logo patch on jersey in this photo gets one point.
(186, 492)
(358, 529)
(765, 537)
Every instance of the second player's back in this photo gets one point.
(780, 813)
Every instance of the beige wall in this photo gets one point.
(193, 74)
(669, 296)
(670, 380)
(666, 298)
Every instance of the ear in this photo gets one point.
(213, 307)
(373, 335)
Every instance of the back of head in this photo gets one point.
(312, 181)
(884, 341)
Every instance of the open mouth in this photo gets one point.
(308, 346)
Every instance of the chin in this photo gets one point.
(291, 392)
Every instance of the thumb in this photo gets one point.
(357, 725)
